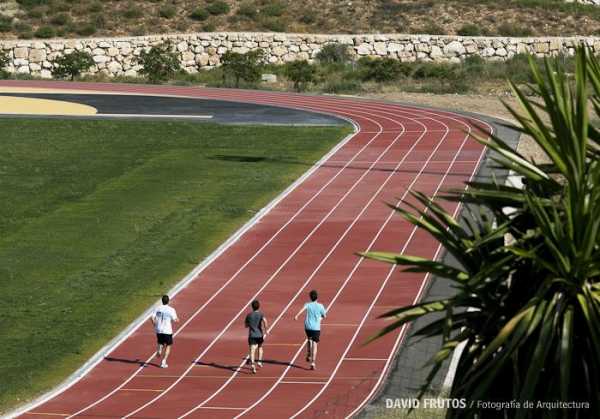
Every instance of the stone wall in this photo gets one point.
(117, 56)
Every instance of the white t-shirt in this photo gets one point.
(163, 316)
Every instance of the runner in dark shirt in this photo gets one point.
(257, 330)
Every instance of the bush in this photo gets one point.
(245, 67)
(199, 14)
(132, 12)
(382, 69)
(218, 7)
(300, 73)
(167, 12)
(45, 32)
(247, 10)
(5, 23)
(95, 7)
(273, 9)
(4, 60)
(341, 85)
(159, 63)
(72, 65)
(334, 53)
(513, 29)
(273, 24)
(24, 30)
(308, 18)
(469, 29)
(87, 29)
(60, 19)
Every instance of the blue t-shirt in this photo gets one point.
(314, 313)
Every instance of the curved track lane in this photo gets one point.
(305, 241)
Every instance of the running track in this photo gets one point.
(307, 240)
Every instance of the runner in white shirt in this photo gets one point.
(161, 319)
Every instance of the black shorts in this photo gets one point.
(164, 339)
(313, 335)
(255, 341)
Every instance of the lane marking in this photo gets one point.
(140, 115)
(141, 389)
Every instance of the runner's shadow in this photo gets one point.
(232, 368)
(285, 364)
(132, 361)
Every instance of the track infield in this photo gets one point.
(305, 241)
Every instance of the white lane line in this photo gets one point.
(148, 115)
(351, 274)
(271, 278)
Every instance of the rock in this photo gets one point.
(269, 78)
(454, 48)
(21, 52)
(37, 55)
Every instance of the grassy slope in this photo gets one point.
(98, 218)
(65, 18)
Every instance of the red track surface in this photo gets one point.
(306, 241)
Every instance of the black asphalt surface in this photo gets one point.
(222, 112)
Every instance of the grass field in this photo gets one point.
(99, 218)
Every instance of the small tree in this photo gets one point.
(4, 60)
(72, 65)
(301, 73)
(381, 69)
(159, 63)
(334, 53)
(245, 67)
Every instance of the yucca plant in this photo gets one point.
(528, 312)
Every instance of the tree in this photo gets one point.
(4, 61)
(159, 63)
(527, 312)
(333, 53)
(245, 67)
(72, 65)
(301, 73)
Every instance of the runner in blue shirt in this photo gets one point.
(315, 312)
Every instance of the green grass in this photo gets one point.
(99, 218)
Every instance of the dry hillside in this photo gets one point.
(70, 18)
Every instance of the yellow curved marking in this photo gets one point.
(32, 106)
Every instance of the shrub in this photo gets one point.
(72, 65)
(199, 14)
(132, 12)
(60, 20)
(334, 53)
(209, 27)
(167, 11)
(218, 7)
(247, 10)
(45, 32)
(274, 24)
(300, 73)
(245, 67)
(24, 30)
(308, 18)
(87, 29)
(432, 28)
(4, 60)
(159, 63)
(469, 29)
(513, 29)
(5, 23)
(28, 4)
(382, 69)
(341, 85)
(273, 9)
(95, 7)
